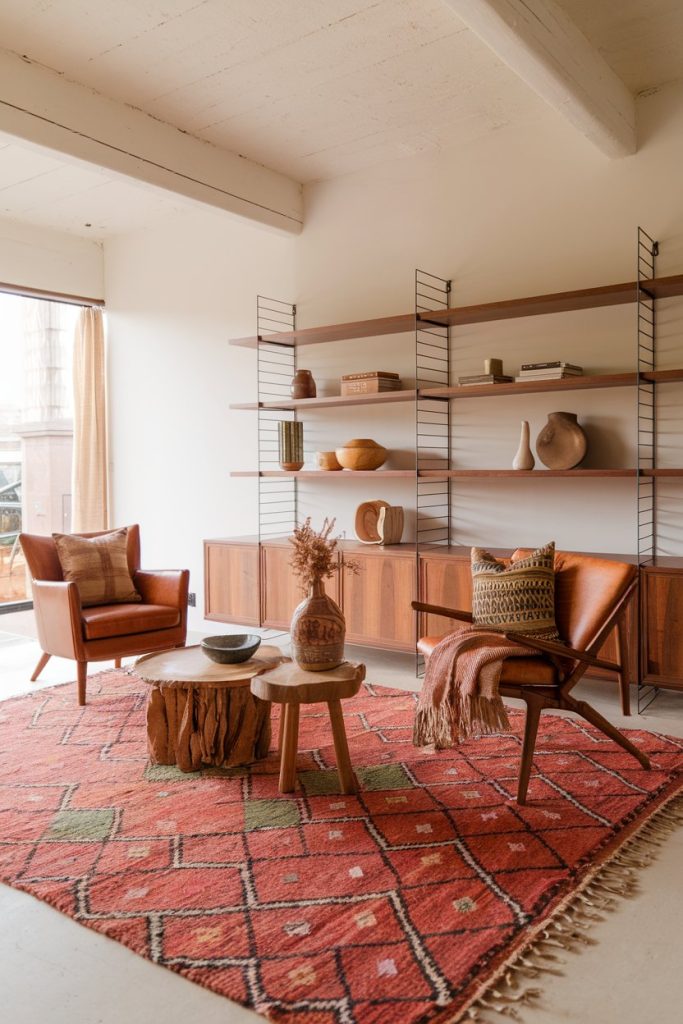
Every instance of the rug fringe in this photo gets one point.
(614, 880)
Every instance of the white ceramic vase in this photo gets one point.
(524, 458)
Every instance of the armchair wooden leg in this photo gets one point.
(534, 706)
(82, 667)
(44, 658)
(117, 663)
(596, 719)
(625, 674)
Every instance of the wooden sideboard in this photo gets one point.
(253, 585)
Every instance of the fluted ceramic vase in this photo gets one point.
(524, 458)
(318, 630)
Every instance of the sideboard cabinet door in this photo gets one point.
(376, 601)
(445, 580)
(231, 583)
(663, 626)
(281, 588)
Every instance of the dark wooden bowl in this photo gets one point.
(231, 648)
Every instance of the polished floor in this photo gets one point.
(54, 971)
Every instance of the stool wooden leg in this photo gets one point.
(290, 742)
(347, 779)
(281, 728)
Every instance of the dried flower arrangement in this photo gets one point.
(314, 556)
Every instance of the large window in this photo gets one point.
(36, 430)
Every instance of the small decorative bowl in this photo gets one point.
(327, 461)
(362, 453)
(231, 649)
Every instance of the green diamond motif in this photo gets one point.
(82, 826)
(167, 773)
(270, 814)
(320, 783)
(384, 776)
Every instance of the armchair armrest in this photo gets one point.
(164, 586)
(437, 609)
(57, 608)
(561, 651)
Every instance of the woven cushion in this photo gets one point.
(519, 597)
(98, 566)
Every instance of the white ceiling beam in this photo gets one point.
(537, 40)
(43, 107)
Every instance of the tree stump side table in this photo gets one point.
(291, 687)
(203, 714)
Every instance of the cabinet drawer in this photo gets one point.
(231, 583)
(376, 601)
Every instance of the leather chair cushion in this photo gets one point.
(108, 620)
(532, 671)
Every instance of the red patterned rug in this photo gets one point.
(401, 905)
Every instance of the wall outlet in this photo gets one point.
(192, 600)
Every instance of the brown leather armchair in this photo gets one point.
(103, 632)
(591, 599)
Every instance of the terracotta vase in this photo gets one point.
(303, 385)
(562, 443)
(524, 458)
(317, 631)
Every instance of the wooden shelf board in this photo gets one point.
(333, 401)
(400, 323)
(663, 376)
(662, 472)
(603, 380)
(318, 474)
(535, 474)
(533, 305)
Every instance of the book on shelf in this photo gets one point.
(546, 375)
(371, 374)
(485, 378)
(369, 386)
(558, 364)
(531, 374)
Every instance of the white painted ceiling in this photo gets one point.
(312, 88)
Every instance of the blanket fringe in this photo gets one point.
(458, 720)
(567, 930)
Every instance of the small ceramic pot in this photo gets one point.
(562, 443)
(327, 461)
(317, 631)
(291, 445)
(524, 459)
(303, 385)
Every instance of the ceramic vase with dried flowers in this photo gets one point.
(318, 627)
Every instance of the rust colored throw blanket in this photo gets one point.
(460, 697)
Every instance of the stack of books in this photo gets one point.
(485, 378)
(557, 370)
(370, 383)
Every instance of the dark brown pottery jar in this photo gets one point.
(318, 630)
(303, 385)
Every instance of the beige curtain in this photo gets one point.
(90, 509)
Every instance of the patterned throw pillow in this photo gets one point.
(519, 597)
(98, 566)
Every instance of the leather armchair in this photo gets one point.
(591, 599)
(103, 632)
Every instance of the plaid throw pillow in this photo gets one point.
(520, 597)
(98, 566)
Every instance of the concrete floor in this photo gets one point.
(54, 971)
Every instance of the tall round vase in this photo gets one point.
(524, 459)
(562, 443)
(290, 444)
(317, 631)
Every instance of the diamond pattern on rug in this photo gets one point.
(391, 906)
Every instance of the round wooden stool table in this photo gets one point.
(200, 713)
(291, 686)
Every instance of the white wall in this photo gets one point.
(522, 212)
(52, 260)
(175, 295)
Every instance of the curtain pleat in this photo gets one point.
(90, 506)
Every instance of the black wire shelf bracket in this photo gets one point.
(432, 422)
(646, 441)
(275, 367)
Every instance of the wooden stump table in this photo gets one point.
(291, 686)
(200, 713)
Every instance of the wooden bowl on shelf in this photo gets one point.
(327, 461)
(365, 524)
(362, 453)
